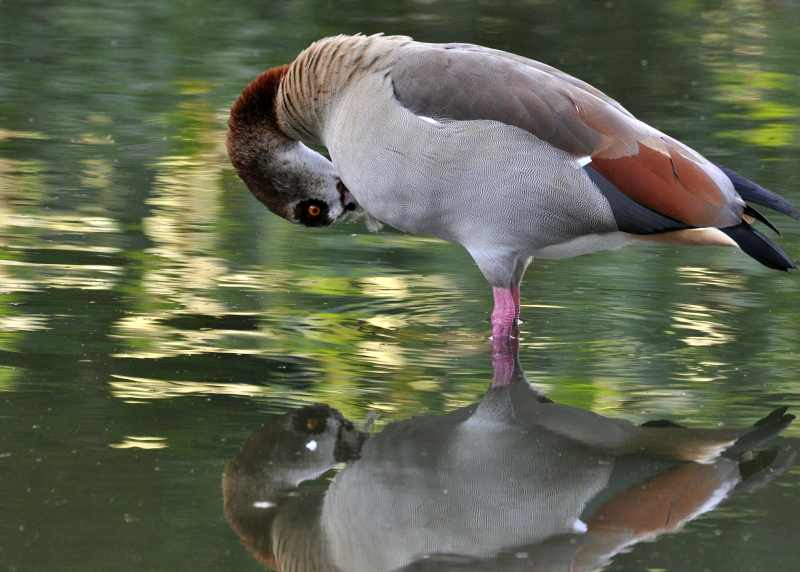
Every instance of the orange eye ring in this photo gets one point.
(314, 210)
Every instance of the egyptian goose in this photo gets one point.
(514, 482)
(507, 156)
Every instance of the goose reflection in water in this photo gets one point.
(513, 482)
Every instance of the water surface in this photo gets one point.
(153, 315)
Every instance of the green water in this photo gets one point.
(153, 315)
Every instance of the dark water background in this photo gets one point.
(153, 315)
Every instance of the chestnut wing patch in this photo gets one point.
(668, 182)
(630, 215)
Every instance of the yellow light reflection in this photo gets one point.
(697, 318)
(24, 323)
(382, 353)
(73, 223)
(701, 276)
(386, 322)
(383, 407)
(393, 287)
(266, 281)
(96, 173)
(67, 248)
(73, 276)
(140, 442)
(95, 139)
(10, 284)
(7, 378)
(153, 339)
(11, 134)
(142, 389)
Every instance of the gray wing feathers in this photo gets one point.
(467, 84)
(537, 65)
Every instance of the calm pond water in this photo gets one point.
(154, 317)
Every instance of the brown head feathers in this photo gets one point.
(291, 180)
(253, 134)
(256, 104)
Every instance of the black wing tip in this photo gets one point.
(775, 414)
(753, 212)
(755, 193)
(759, 247)
(763, 430)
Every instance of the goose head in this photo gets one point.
(290, 179)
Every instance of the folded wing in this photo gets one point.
(463, 82)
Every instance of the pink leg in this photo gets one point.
(505, 343)
(505, 312)
(504, 359)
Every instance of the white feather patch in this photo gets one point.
(581, 162)
(430, 120)
(580, 527)
(373, 224)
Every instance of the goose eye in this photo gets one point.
(311, 420)
(312, 212)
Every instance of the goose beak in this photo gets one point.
(348, 202)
